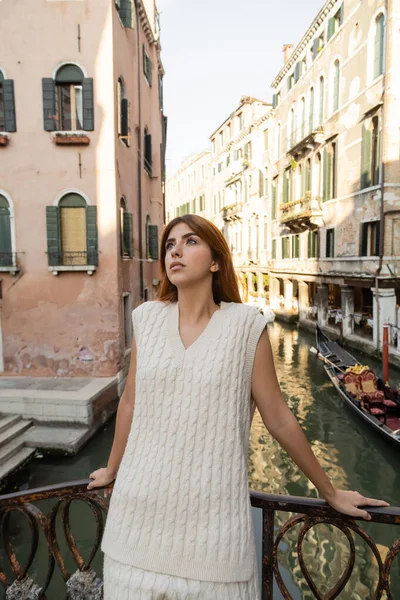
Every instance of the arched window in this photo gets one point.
(123, 114)
(321, 101)
(302, 118)
(72, 232)
(318, 174)
(126, 225)
(148, 156)
(7, 104)
(308, 177)
(68, 100)
(335, 85)
(371, 152)
(152, 239)
(6, 256)
(379, 45)
(278, 141)
(330, 172)
(69, 88)
(126, 12)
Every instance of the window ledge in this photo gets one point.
(4, 138)
(11, 269)
(70, 138)
(59, 268)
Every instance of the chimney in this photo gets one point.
(287, 51)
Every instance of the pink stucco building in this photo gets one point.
(82, 141)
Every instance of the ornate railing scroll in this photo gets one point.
(85, 584)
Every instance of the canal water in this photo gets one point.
(352, 455)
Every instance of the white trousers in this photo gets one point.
(123, 582)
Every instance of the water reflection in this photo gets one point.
(352, 456)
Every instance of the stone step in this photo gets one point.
(14, 431)
(16, 461)
(8, 450)
(7, 421)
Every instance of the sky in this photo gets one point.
(214, 52)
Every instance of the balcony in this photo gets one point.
(300, 215)
(233, 212)
(44, 515)
(73, 261)
(305, 139)
(8, 262)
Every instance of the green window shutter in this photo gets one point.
(327, 176)
(379, 45)
(10, 123)
(153, 241)
(311, 115)
(49, 104)
(331, 27)
(5, 238)
(341, 19)
(92, 236)
(128, 232)
(53, 236)
(364, 239)
(336, 84)
(366, 158)
(285, 188)
(274, 201)
(297, 72)
(260, 183)
(274, 101)
(377, 238)
(125, 12)
(124, 117)
(273, 249)
(315, 48)
(88, 104)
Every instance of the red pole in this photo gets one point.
(385, 350)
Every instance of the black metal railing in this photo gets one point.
(71, 259)
(308, 514)
(8, 259)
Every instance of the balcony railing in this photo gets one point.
(71, 259)
(233, 212)
(86, 585)
(302, 214)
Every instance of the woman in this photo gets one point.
(179, 524)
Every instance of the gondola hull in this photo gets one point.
(343, 360)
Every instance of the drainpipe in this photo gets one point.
(139, 155)
(382, 211)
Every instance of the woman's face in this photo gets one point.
(188, 259)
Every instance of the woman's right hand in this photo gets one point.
(101, 478)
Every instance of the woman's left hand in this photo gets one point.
(348, 502)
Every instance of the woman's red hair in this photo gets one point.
(225, 284)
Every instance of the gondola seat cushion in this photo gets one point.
(351, 384)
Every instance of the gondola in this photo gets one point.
(380, 409)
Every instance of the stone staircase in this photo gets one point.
(13, 450)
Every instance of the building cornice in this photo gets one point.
(145, 23)
(308, 36)
(243, 101)
(188, 164)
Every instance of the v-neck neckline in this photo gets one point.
(211, 329)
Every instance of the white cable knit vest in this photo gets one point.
(180, 503)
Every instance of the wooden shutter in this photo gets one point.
(336, 85)
(331, 27)
(297, 72)
(124, 117)
(53, 236)
(285, 187)
(153, 241)
(311, 115)
(341, 19)
(274, 101)
(92, 236)
(128, 232)
(49, 104)
(377, 237)
(10, 123)
(366, 157)
(378, 46)
(125, 12)
(327, 178)
(260, 183)
(88, 105)
(274, 201)
(364, 239)
(148, 158)
(315, 48)
(5, 238)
